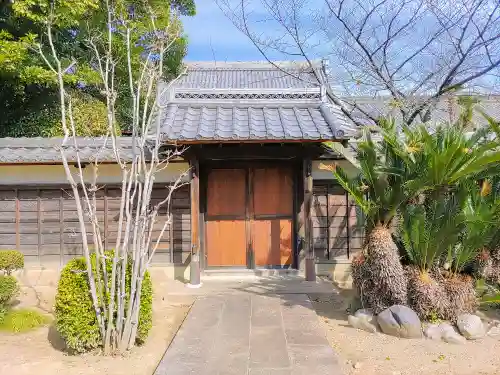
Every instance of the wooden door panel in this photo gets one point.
(226, 223)
(271, 211)
(226, 192)
(272, 191)
(272, 242)
(226, 243)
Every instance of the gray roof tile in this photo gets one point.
(247, 75)
(47, 150)
(242, 123)
(446, 110)
(249, 101)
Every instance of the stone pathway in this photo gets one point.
(246, 334)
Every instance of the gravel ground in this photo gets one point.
(41, 352)
(378, 354)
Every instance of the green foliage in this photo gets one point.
(8, 289)
(11, 260)
(430, 231)
(448, 155)
(75, 315)
(434, 318)
(430, 178)
(481, 218)
(28, 89)
(146, 312)
(488, 294)
(22, 320)
(385, 166)
(89, 115)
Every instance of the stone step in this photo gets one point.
(246, 273)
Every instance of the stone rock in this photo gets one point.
(433, 332)
(494, 330)
(370, 320)
(365, 314)
(400, 321)
(471, 326)
(444, 332)
(362, 322)
(450, 335)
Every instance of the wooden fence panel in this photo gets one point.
(43, 223)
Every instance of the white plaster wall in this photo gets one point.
(320, 174)
(54, 174)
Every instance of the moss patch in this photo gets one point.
(23, 320)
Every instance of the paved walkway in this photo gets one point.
(248, 334)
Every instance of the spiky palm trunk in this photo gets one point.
(434, 295)
(379, 276)
(426, 294)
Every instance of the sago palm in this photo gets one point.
(430, 230)
(449, 154)
(379, 191)
(384, 168)
(447, 165)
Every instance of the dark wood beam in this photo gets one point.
(310, 266)
(247, 152)
(195, 222)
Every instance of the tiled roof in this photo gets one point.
(188, 122)
(249, 102)
(447, 109)
(47, 150)
(244, 75)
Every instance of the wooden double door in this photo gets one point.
(249, 217)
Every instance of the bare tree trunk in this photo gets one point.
(117, 303)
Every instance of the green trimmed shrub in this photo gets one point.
(146, 313)
(8, 290)
(75, 315)
(11, 260)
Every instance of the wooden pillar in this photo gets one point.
(194, 267)
(310, 266)
(18, 222)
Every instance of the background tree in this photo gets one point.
(28, 89)
(414, 51)
(123, 41)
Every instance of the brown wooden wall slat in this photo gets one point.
(43, 223)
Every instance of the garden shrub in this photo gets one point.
(11, 260)
(8, 290)
(75, 315)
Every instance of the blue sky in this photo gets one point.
(212, 36)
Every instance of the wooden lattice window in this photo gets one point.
(336, 233)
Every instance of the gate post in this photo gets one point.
(194, 266)
(310, 266)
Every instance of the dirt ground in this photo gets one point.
(379, 354)
(41, 352)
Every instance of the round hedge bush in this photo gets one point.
(11, 260)
(75, 316)
(8, 290)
